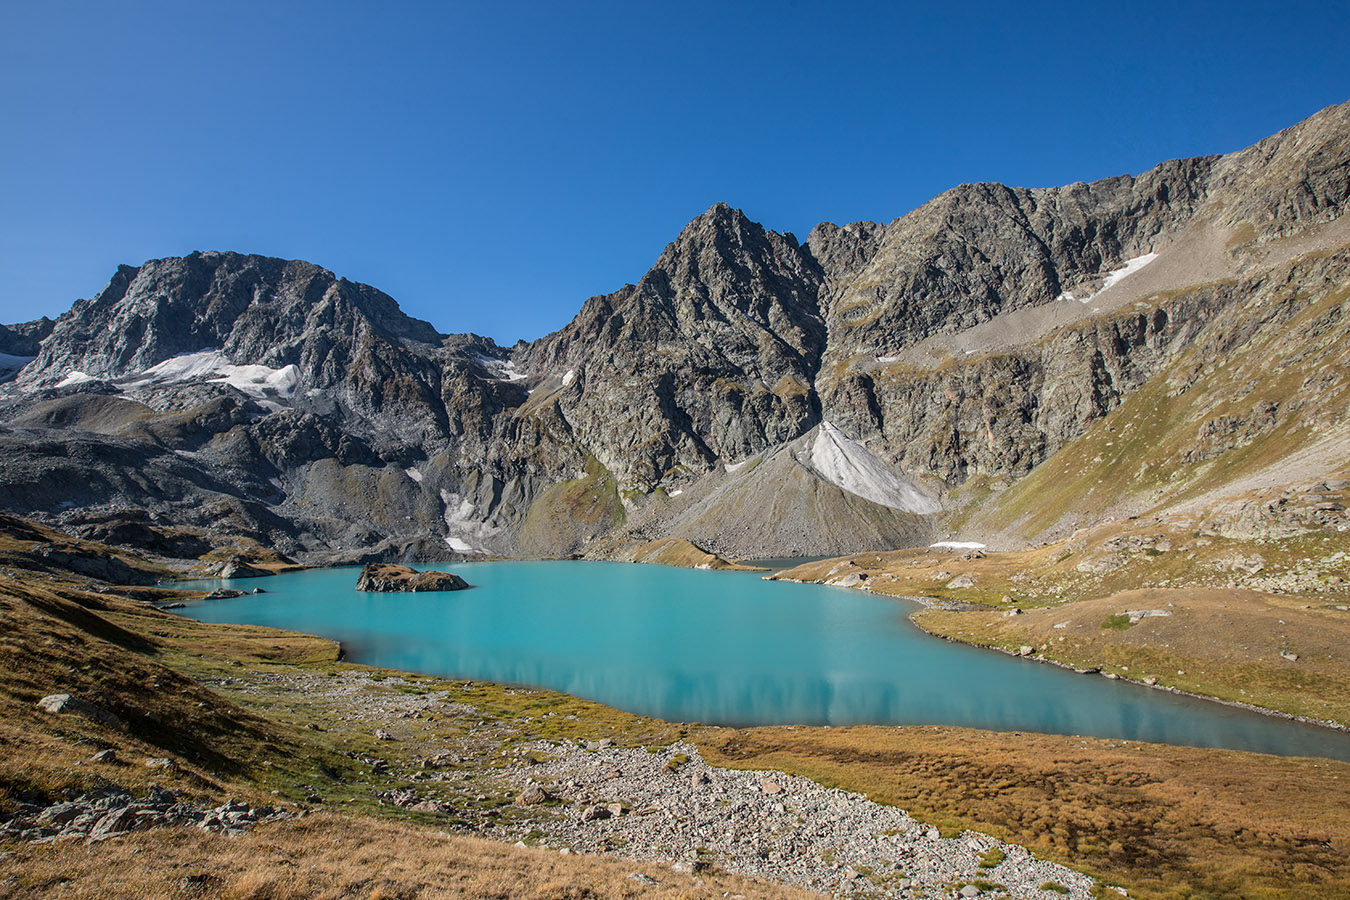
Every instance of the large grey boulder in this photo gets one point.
(65, 703)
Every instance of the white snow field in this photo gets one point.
(1131, 266)
(75, 376)
(259, 381)
(502, 370)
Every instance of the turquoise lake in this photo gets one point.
(729, 648)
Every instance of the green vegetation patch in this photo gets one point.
(1117, 622)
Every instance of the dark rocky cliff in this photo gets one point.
(971, 338)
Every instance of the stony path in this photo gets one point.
(672, 807)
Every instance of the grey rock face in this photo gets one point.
(981, 249)
(25, 338)
(270, 399)
(1289, 181)
(711, 355)
(89, 563)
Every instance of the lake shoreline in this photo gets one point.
(614, 666)
(1235, 704)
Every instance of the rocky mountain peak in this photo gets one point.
(254, 310)
(724, 261)
(24, 338)
(956, 342)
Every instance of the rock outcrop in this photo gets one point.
(70, 705)
(958, 348)
(387, 578)
(239, 567)
(110, 812)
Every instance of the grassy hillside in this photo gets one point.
(1259, 399)
(257, 713)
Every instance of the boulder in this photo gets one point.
(65, 703)
(532, 796)
(387, 577)
(118, 821)
(594, 813)
(1100, 565)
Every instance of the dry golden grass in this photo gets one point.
(1225, 641)
(1222, 643)
(111, 651)
(327, 857)
(1168, 822)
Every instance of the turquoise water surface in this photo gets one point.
(729, 648)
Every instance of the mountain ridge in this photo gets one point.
(962, 344)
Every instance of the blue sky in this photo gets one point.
(491, 165)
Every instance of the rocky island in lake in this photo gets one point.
(389, 578)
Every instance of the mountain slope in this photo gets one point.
(960, 347)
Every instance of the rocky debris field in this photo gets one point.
(107, 813)
(662, 805)
(670, 806)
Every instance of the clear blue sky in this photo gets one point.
(491, 165)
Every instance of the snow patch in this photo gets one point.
(888, 359)
(185, 367)
(847, 464)
(260, 380)
(215, 368)
(461, 525)
(732, 467)
(74, 376)
(413, 474)
(1131, 266)
(676, 493)
(569, 376)
(958, 545)
(501, 369)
